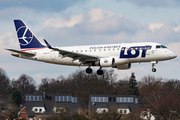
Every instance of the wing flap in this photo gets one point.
(73, 55)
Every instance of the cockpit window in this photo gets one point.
(163, 46)
(158, 46)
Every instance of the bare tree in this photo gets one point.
(24, 84)
(5, 84)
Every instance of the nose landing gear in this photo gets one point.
(153, 64)
(153, 69)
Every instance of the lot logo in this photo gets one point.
(134, 52)
(24, 35)
(105, 61)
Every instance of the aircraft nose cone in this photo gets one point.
(173, 55)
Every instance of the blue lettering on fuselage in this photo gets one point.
(134, 51)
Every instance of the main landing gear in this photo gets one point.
(99, 72)
(89, 70)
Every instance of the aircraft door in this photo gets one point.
(52, 55)
(148, 50)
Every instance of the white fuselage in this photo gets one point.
(124, 53)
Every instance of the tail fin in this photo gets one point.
(27, 39)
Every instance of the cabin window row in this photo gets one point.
(94, 50)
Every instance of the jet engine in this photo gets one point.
(106, 62)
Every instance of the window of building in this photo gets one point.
(40, 98)
(120, 112)
(38, 109)
(33, 98)
(74, 99)
(27, 98)
(69, 98)
(61, 98)
(92, 99)
(110, 99)
(114, 99)
(136, 100)
(36, 98)
(124, 99)
(57, 98)
(125, 111)
(65, 98)
(105, 99)
(99, 99)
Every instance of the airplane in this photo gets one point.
(119, 56)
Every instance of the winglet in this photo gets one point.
(48, 45)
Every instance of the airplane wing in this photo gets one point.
(74, 55)
(21, 52)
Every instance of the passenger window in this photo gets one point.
(158, 46)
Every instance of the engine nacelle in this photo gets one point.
(124, 67)
(107, 62)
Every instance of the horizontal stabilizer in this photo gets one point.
(21, 52)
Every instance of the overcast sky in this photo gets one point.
(86, 22)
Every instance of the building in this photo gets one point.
(123, 104)
(3, 109)
(43, 105)
(22, 113)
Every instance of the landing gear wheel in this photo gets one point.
(89, 70)
(153, 69)
(100, 72)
